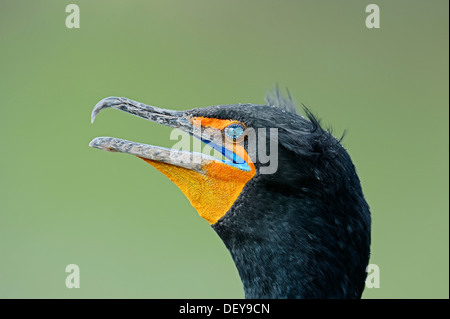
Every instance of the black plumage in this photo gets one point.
(303, 232)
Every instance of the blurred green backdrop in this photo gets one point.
(131, 231)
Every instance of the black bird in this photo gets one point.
(301, 230)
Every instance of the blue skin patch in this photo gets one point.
(234, 160)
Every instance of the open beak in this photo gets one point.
(212, 185)
(175, 119)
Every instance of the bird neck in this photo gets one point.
(292, 247)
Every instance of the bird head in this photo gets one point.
(211, 184)
(279, 212)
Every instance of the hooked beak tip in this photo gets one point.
(103, 104)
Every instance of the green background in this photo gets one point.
(131, 231)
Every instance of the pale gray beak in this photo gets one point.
(176, 119)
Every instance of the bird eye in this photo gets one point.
(234, 131)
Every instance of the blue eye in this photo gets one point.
(234, 131)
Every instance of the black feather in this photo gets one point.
(304, 231)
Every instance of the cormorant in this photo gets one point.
(299, 231)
